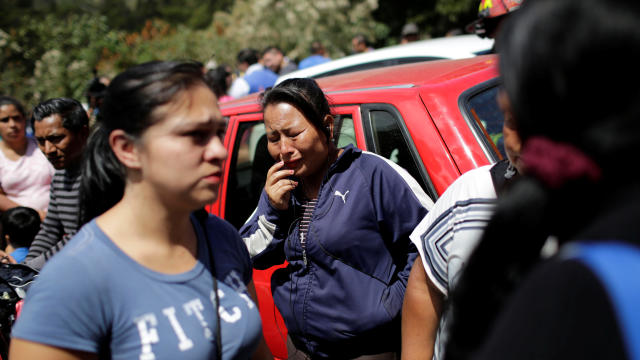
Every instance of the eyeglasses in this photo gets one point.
(18, 117)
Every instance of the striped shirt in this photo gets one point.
(448, 234)
(61, 222)
(307, 208)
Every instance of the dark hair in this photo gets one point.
(362, 39)
(248, 55)
(96, 89)
(21, 224)
(73, 115)
(551, 58)
(316, 47)
(563, 75)
(271, 48)
(129, 105)
(217, 80)
(8, 100)
(306, 96)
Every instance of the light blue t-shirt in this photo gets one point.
(313, 60)
(93, 297)
(19, 254)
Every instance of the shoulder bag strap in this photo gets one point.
(202, 215)
(617, 265)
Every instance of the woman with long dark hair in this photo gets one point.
(146, 277)
(570, 74)
(341, 218)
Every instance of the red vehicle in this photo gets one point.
(437, 119)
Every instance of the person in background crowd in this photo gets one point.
(19, 226)
(61, 129)
(219, 80)
(582, 303)
(360, 44)
(105, 80)
(247, 61)
(341, 218)
(410, 33)
(274, 59)
(256, 77)
(318, 56)
(148, 276)
(25, 173)
(95, 94)
(454, 32)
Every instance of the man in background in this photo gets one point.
(95, 94)
(410, 33)
(61, 128)
(256, 77)
(360, 44)
(318, 56)
(274, 59)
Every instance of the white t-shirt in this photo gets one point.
(240, 87)
(453, 227)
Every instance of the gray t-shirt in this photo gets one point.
(93, 297)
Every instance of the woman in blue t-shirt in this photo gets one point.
(145, 277)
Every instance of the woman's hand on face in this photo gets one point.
(278, 186)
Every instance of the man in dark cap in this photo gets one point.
(410, 33)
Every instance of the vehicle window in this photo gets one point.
(377, 64)
(390, 140)
(485, 116)
(249, 164)
(344, 131)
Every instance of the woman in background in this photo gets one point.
(25, 173)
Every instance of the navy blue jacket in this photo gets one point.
(347, 300)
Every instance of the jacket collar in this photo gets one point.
(345, 159)
(349, 154)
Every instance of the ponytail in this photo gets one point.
(102, 184)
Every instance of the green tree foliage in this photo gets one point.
(128, 15)
(52, 56)
(293, 24)
(434, 17)
(131, 15)
(49, 48)
(456, 13)
(157, 40)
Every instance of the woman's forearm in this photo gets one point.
(6, 203)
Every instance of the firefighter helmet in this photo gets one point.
(488, 13)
